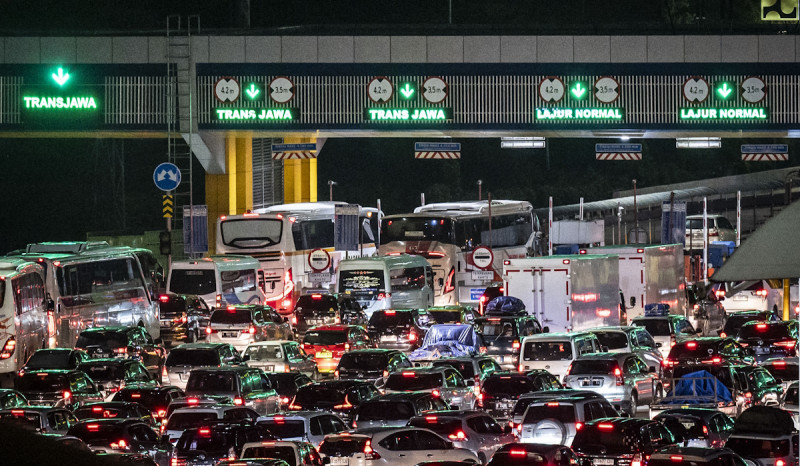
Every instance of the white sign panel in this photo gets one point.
(484, 275)
(434, 89)
(319, 277)
(380, 89)
(754, 89)
(227, 90)
(281, 90)
(551, 89)
(695, 89)
(606, 89)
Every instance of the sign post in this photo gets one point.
(320, 261)
(765, 152)
(167, 176)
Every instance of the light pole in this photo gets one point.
(480, 184)
(331, 184)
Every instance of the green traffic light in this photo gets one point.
(724, 90)
(578, 90)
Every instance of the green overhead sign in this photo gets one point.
(272, 115)
(579, 114)
(408, 114)
(699, 114)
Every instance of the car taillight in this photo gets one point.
(761, 327)
(164, 372)
(122, 350)
(66, 394)
(8, 348)
(436, 393)
(294, 407)
(210, 330)
(520, 368)
(121, 444)
(193, 401)
(204, 431)
(762, 293)
(412, 336)
(163, 298)
(92, 427)
(252, 330)
(676, 458)
(479, 400)
(161, 413)
(515, 345)
(336, 374)
(449, 284)
(459, 436)
(238, 401)
(780, 463)
(346, 346)
(637, 460)
(518, 453)
(369, 453)
(345, 405)
(294, 320)
(619, 376)
(672, 341)
(578, 425)
(218, 301)
(691, 345)
(786, 343)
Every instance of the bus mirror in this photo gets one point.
(633, 301)
(441, 282)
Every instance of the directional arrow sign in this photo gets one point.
(61, 78)
(407, 91)
(252, 91)
(723, 90)
(578, 90)
(167, 176)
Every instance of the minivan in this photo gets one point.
(387, 282)
(218, 280)
(554, 352)
(719, 229)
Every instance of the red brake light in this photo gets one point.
(163, 298)
(780, 463)
(316, 296)
(412, 336)
(390, 312)
(785, 344)
(459, 436)
(605, 426)
(408, 374)
(705, 430)
(553, 404)
(238, 401)
(431, 418)
(761, 326)
(617, 372)
(252, 330)
(97, 409)
(66, 394)
(93, 427)
(779, 363)
(436, 393)
(209, 331)
(192, 401)
(691, 345)
(515, 345)
(762, 293)
(230, 308)
(18, 412)
(136, 395)
(676, 458)
(578, 425)
(518, 453)
(279, 419)
(204, 431)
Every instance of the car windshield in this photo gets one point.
(445, 317)
(365, 361)
(465, 368)
(312, 396)
(26, 419)
(211, 382)
(209, 441)
(386, 320)
(496, 328)
(42, 382)
(608, 440)
(188, 420)
(284, 453)
(44, 359)
(103, 372)
(593, 367)
(264, 352)
(758, 448)
(195, 357)
(342, 446)
(188, 281)
(316, 305)
(421, 228)
(231, 316)
(613, 340)
(554, 410)
(325, 337)
(282, 428)
(410, 381)
(735, 322)
(105, 340)
(251, 232)
(547, 351)
(656, 327)
(281, 381)
(508, 385)
(380, 410)
(765, 331)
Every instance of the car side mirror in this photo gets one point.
(546, 329)
(633, 301)
(659, 345)
(651, 370)
(470, 382)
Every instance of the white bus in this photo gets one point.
(218, 280)
(97, 287)
(283, 237)
(23, 314)
(447, 233)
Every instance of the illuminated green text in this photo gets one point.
(246, 114)
(723, 114)
(84, 103)
(407, 114)
(548, 113)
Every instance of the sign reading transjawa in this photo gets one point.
(252, 114)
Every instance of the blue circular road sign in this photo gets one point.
(167, 176)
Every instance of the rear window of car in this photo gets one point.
(342, 446)
(765, 331)
(264, 353)
(465, 368)
(383, 320)
(105, 340)
(758, 448)
(185, 357)
(379, 410)
(49, 360)
(103, 372)
(445, 317)
(215, 441)
(313, 396)
(325, 337)
(146, 398)
(593, 367)
(278, 452)
(365, 361)
(547, 351)
(563, 412)
(592, 440)
(613, 340)
(409, 381)
(97, 433)
(496, 328)
(656, 327)
(173, 306)
(692, 349)
(183, 421)
(198, 282)
(231, 316)
(442, 426)
(42, 382)
(100, 412)
(284, 428)
(309, 305)
(508, 385)
(27, 420)
(211, 382)
(684, 427)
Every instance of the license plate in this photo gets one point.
(761, 350)
(603, 461)
(503, 405)
(337, 460)
(269, 368)
(508, 358)
(229, 334)
(166, 323)
(324, 354)
(388, 338)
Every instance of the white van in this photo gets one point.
(389, 282)
(554, 352)
(218, 280)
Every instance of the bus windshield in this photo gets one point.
(251, 232)
(312, 234)
(98, 276)
(417, 229)
(364, 285)
(198, 281)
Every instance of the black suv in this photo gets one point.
(215, 442)
(55, 358)
(188, 356)
(620, 441)
(735, 321)
(396, 329)
(243, 385)
(123, 342)
(287, 384)
(501, 390)
(395, 409)
(371, 364)
(340, 397)
(502, 335)
(153, 397)
(316, 309)
(706, 350)
(58, 387)
(112, 374)
(770, 339)
(123, 436)
(183, 318)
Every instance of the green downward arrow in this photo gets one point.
(61, 78)
(407, 91)
(724, 91)
(578, 91)
(253, 91)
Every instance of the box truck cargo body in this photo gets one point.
(567, 293)
(651, 274)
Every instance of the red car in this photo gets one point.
(327, 343)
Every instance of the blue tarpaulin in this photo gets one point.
(505, 305)
(447, 340)
(699, 387)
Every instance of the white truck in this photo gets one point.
(650, 273)
(567, 293)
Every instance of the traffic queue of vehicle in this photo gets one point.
(330, 385)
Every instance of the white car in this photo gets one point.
(406, 446)
(719, 229)
(311, 426)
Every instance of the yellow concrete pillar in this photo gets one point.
(300, 176)
(244, 174)
(230, 172)
(232, 192)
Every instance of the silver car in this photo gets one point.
(557, 420)
(279, 356)
(311, 426)
(241, 325)
(719, 229)
(631, 339)
(474, 430)
(622, 378)
(408, 446)
(41, 419)
(443, 381)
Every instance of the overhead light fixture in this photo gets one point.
(517, 142)
(698, 143)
